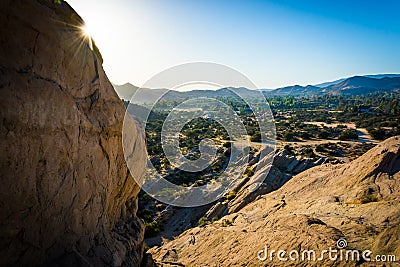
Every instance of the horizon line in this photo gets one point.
(291, 85)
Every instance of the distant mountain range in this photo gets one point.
(356, 85)
(126, 91)
(295, 90)
(145, 95)
(363, 85)
(376, 76)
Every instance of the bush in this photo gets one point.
(349, 134)
(231, 195)
(308, 152)
(288, 136)
(288, 147)
(368, 198)
(304, 135)
(203, 221)
(227, 144)
(323, 134)
(320, 148)
(377, 134)
(226, 223)
(249, 172)
(256, 137)
(151, 229)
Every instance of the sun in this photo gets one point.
(87, 34)
(86, 31)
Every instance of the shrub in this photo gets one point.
(320, 148)
(323, 134)
(304, 135)
(288, 136)
(348, 134)
(203, 221)
(377, 134)
(231, 195)
(308, 152)
(249, 172)
(288, 147)
(368, 198)
(227, 144)
(151, 229)
(226, 223)
(256, 137)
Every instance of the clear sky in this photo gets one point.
(274, 43)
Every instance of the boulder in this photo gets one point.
(66, 195)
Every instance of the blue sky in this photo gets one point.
(274, 43)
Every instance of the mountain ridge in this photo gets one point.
(145, 95)
(376, 76)
(355, 85)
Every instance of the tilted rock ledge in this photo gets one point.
(358, 201)
(66, 196)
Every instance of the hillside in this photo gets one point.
(125, 91)
(357, 85)
(363, 85)
(296, 90)
(375, 76)
(144, 95)
(358, 201)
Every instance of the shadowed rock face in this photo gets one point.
(66, 196)
(358, 201)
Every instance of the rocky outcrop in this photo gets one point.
(288, 163)
(358, 201)
(66, 196)
(284, 167)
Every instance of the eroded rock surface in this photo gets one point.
(66, 196)
(358, 201)
(283, 168)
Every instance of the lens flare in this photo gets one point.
(87, 34)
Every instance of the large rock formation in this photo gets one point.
(66, 196)
(283, 168)
(358, 201)
(285, 165)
